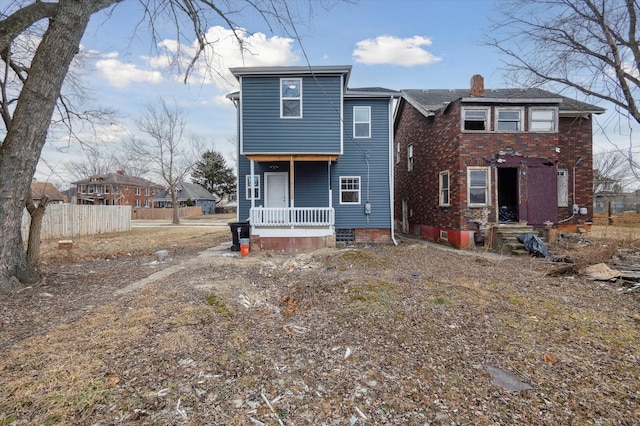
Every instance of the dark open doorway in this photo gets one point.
(508, 194)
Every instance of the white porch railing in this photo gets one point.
(291, 216)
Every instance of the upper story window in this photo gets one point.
(543, 119)
(291, 97)
(509, 119)
(361, 122)
(475, 119)
(138, 192)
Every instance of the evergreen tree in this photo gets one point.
(212, 173)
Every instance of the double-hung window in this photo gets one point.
(475, 119)
(509, 119)
(542, 119)
(349, 189)
(478, 185)
(255, 185)
(443, 188)
(361, 122)
(410, 157)
(291, 98)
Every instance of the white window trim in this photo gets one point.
(350, 190)
(248, 195)
(563, 189)
(441, 188)
(410, 157)
(555, 119)
(520, 110)
(283, 98)
(368, 122)
(487, 121)
(487, 192)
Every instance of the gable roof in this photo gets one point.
(187, 191)
(117, 179)
(311, 71)
(40, 189)
(432, 100)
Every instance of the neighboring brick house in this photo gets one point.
(472, 158)
(41, 189)
(116, 189)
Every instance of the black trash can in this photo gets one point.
(238, 230)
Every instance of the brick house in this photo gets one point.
(470, 160)
(116, 189)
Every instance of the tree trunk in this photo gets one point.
(35, 229)
(176, 206)
(22, 145)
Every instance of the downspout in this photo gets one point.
(391, 165)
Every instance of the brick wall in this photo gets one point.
(439, 145)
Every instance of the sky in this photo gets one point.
(395, 44)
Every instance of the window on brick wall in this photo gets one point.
(543, 119)
(410, 157)
(478, 184)
(475, 119)
(563, 188)
(444, 188)
(509, 119)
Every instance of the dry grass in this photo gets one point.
(380, 335)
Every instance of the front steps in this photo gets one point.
(504, 239)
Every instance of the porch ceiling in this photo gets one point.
(292, 157)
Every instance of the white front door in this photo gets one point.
(276, 192)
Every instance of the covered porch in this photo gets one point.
(295, 211)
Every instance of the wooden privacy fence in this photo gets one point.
(165, 213)
(617, 219)
(72, 220)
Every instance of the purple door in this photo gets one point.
(542, 195)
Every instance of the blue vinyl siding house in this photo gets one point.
(314, 157)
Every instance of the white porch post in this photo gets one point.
(329, 183)
(253, 198)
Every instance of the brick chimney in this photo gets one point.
(120, 172)
(477, 86)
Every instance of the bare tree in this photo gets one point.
(590, 46)
(28, 103)
(99, 162)
(166, 150)
(611, 172)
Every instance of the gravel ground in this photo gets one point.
(408, 334)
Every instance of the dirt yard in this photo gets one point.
(381, 335)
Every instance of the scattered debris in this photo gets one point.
(601, 272)
(507, 380)
(162, 256)
(536, 247)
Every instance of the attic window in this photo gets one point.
(475, 119)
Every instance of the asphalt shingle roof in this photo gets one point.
(434, 99)
(187, 191)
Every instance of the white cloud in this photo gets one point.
(224, 52)
(120, 74)
(388, 49)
